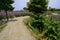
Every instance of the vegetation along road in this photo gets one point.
(16, 30)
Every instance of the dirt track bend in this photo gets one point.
(16, 30)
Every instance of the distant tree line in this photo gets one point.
(53, 9)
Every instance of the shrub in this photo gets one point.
(53, 29)
(17, 15)
(37, 21)
(50, 27)
(11, 16)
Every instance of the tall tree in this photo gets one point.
(37, 6)
(6, 6)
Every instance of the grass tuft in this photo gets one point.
(2, 27)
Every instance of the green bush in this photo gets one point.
(10, 16)
(50, 27)
(53, 29)
(17, 15)
(37, 21)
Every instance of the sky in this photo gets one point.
(54, 3)
(20, 4)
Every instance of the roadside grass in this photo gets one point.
(34, 31)
(30, 29)
(2, 26)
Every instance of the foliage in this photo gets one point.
(2, 26)
(53, 9)
(6, 6)
(37, 21)
(17, 15)
(11, 16)
(2, 17)
(50, 28)
(37, 6)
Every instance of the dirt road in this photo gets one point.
(16, 30)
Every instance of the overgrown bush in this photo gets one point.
(50, 27)
(37, 21)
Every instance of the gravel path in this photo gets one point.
(16, 30)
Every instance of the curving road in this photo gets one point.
(16, 30)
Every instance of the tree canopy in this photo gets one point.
(6, 5)
(37, 6)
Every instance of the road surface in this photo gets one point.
(16, 30)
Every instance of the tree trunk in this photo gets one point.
(6, 15)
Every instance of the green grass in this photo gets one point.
(34, 31)
(2, 27)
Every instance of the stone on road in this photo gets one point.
(16, 30)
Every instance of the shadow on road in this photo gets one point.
(12, 20)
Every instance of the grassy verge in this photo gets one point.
(34, 31)
(2, 26)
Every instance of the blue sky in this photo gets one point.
(54, 3)
(20, 4)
